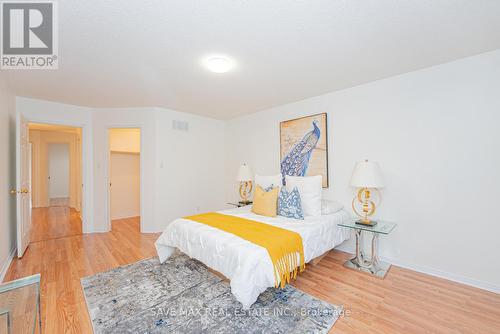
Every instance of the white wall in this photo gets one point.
(181, 172)
(190, 166)
(7, 177)
(58, 170)
(436, 135)
(125, 171)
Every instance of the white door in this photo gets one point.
(22, 185)
(58, 170)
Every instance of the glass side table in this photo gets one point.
(360, 261)
(20, 306)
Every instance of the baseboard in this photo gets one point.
(125, 217)
(435, 272)
(445, 275)
(98, 231)
(7, 263)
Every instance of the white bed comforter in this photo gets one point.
(247, 265)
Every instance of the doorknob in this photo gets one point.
(22, 191)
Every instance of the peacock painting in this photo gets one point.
(304, 147)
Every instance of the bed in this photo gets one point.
(247, 265)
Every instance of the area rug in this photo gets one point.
(183, 296)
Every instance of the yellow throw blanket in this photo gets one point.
(282, 245)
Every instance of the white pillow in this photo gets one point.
(310, 190)
(330, 207)
(266, 181)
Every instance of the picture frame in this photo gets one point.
(304, 147)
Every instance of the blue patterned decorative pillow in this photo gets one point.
(290, 204)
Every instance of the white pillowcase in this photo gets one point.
(270, 180)
(310, 190)
(330, 207)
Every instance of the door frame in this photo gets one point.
(107, 161)
(85, 165)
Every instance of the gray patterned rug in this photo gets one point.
(183, 296)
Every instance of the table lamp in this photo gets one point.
(366, 176)
(245, 177)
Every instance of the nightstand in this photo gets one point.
(360, 262)
(239, 204)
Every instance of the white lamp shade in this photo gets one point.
(367, 174)
(245, 173)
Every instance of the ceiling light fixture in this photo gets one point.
(219, 64)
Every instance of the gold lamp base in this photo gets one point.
(245, 191)
(363, 198)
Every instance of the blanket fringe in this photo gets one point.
(287, 268)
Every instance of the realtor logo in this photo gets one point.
(29, 35)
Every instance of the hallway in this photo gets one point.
(54, 222)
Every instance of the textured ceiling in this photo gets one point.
(147, 53)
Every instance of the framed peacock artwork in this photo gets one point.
(304, 147)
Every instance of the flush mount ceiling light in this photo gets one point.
(218, 64)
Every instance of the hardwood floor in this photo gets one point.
(63, 261)
(404, 302)
(54, 222)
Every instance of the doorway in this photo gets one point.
(124, 196)
(56, 181)
(59, 179)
